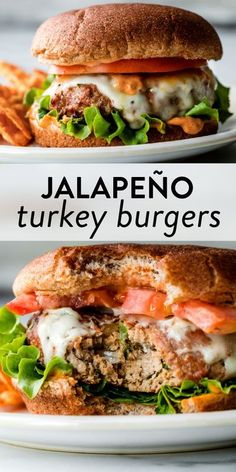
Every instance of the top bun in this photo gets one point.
(184, 272)
(107, 33)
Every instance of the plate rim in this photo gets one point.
(223, 136)
(98, 423)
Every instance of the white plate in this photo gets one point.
(131, 434)
(157, 152)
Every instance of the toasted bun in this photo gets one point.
(107, 33)
(184, 272)
(61, 397)
(52, 136)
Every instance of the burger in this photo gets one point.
(123, 74)
(123, 329)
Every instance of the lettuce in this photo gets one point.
(20, 361)
(110, 128)
(113, 126)
(219, 111)
(35, 93)
(204, 109)
(123, 332)
(44, 106)
(167, 400)
(222, 102)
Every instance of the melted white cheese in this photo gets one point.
(230, 363)
(168, 96)
(218, 348)
(176, 328)
(112, 356)
(132, 105)
(57, 328)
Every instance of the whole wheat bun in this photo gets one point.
(107, 33)
(61, 396)
(184, 272)
(52, 136)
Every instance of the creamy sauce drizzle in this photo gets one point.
(57, 328)
(168, 95)
(219, 347)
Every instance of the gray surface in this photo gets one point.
(13, 11)
(14, 458)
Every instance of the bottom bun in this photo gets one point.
(61, 396)
(52, 136)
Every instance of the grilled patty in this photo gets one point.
(73, 100)
(162, 95)
(133, 354)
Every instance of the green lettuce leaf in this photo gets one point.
(35, 93)
(204, 109)
(110, 128)
(222, 102)
(167, 400)
(48, 81)
(220, 109)
(123, 332)
(30, 378)
(213, 385)
(44, 106)
(8, 321)
(118, 128)
(21, 361)
(32, 95)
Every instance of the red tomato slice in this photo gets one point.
(99, 297)
(130, 66)
(209, 318)
(24, 304)
(145, 302)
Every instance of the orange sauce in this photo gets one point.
(127, 84)
(188, 124)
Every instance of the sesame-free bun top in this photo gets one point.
(183, 272)
(111, 32)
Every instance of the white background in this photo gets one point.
(213, 190)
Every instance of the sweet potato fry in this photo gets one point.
(11, 94)
(9, 397)
(37, 78)
(15, 75)
(20, 78)
(13, 127)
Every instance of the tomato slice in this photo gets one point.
(96, 297)
(145, 302)
(99, 297)
(209, 318)
(130, 66)
(24, 304)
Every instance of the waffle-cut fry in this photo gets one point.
(37, 78)
(13, 127)
(20, 78)
(9, 397)
(11, 94)
(15, 75)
